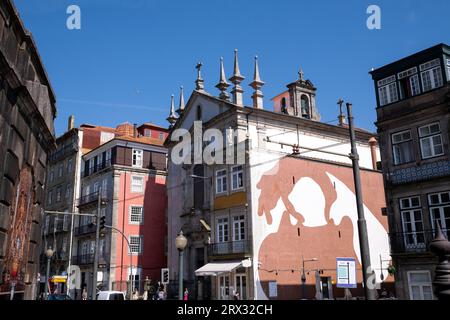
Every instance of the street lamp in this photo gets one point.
(304, 275)
(49, 254)
(180, 244)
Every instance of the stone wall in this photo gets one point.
(27, 112)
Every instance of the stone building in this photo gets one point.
(413, 104)
(285, 195)
(27, 111)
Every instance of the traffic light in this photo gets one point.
(102, 223)
(165, 275)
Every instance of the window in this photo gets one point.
(387, 90)
(49, 197)
(237, 178)
(199, 113)
(96, 187)
(104, 187)
(222, 230)
(431, 141)
(69, 165)
(137, 157)
(409, 83)
(161, 136)
(136, 244)
(108, 156)
(136, 215)
(283, 106)
(239, 228)
(147, 132)
(100, 161)
(431, 75)
(402, 148)
(440, 211)
(305, 107)
(448, 69)
(52, 176)
(67, 196)
(419, 283)
(47, 224)
(91, 165)
(137, 184)
(66, 221)
(411, 214)
(221, 181)
(60, 170)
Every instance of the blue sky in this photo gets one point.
(131, 55)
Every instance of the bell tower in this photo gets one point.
(302, 96)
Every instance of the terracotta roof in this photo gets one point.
(146, 140)
(153, 125)
(98, 128)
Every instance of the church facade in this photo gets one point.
(270, 226)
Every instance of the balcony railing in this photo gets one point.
(85, 229)
(88, 198)
(230, 247)
(63, 152)
(83, 259)
(97, 168)
(413, 242)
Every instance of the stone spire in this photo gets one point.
(223, 84)
(199, 83)
(236, 79)
(181, 106)
(301, 75)
(172, 118)
(257, 84)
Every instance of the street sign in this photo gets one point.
(346, 272)
(59, 279)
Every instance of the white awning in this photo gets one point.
(217, 268)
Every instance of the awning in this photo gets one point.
(217, 268)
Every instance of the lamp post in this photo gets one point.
(180, 244)
(304, 275)
(49, 255)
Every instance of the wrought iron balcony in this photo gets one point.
(88, 199)
(83, 259)
(229, 248)
(413, 242)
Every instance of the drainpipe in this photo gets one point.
(373, 152)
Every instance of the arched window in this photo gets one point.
(199, 112)
(283, 106)
(305, 107)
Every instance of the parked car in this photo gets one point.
(111, 295)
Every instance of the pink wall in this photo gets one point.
(277, 101)
(154, 229)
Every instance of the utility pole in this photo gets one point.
(97, 243)
(362, 227)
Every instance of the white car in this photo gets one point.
(110, 295)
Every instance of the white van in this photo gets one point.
(110, 295)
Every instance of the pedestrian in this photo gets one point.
(236, 295)
(84, 294)
(161, 294)
(135, 295)
(186, 294)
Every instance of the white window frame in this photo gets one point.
(440, 206)
(104, 187)
(235, 177)
(220, 179)
(99, 159)
(52, 175)
(69, 165)
(410, 210)
(239, 228)
(96, 187)
(130, 214)
(221, 235)
(137, 158)
(161, 136)
(141, 244)
(50, 197)
(58, 194)
(134, 187)
(430, 138)
(108, 156)
(68, 191)
(431, 69)
(60, 170)
(421, 285)
(388, 90)
(396, 143)
(147, 132)
(413, 81)
(241, 289)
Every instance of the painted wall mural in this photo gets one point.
(308, 208)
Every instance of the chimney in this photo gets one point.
(373, 152)
(71, 123)
(135, 130)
